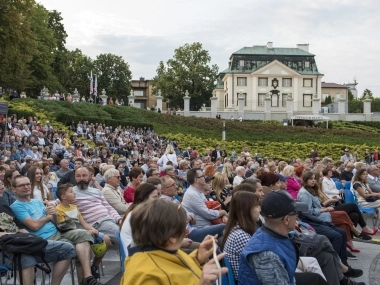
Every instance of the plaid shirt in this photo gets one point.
(233, 247)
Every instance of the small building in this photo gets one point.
(335, 91)
(144, 97)
(260, 71)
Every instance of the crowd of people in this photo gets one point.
(173, 206)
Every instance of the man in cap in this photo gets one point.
(270, 257)
(346, 156)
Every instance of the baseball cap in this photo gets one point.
(122, 160)
(282, 177)
(346, 150)
(279, 203)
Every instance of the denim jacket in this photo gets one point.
(314, 205)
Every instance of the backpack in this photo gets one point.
(24, 243)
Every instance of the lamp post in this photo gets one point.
(224, 131)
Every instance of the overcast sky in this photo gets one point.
(344, 35)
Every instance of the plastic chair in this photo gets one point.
(228, 278)
(350, 197)
(122, 252)
(348, 185)
(339, 185)
(334, 179)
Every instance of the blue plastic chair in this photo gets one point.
(334, 179)
(228, 278)
(348, 185)
(350, 197)
(4, 271)
(122, 252)
(339, 185)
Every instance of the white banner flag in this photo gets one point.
(96, 86)
(91, 83)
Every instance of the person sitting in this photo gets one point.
(158, 228)
(292, 182)
(240, 172)
(68, 214)
(41, 220)
(271, 250)
(111, 191)
(373, 178)
(135, 177)
(194, 202)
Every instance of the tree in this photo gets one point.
(328, 100)
(367, 93)
(190, 70)
(114, 75)
(350, 95)
(18, 43)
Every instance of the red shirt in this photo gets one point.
(129, 194)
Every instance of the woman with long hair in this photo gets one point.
(365, 197)
(169, 155)
(8, 195)
(144, 192)
(240, 226)
(39, 190)
(320, 206)
(219, 191)
(228, 172)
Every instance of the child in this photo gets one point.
(68, 214)
(158, 229)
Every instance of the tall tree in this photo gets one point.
(114, 75)
(17, 43)
(190, 70)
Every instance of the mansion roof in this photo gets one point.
(264, 50)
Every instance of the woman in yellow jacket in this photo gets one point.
(158, 228)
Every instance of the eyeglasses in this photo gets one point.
(171, 185)
(200, 176)
(118, 177)
(23, 185)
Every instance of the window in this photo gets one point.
(307, 64)
(307, 82)
(241, 63)
(284, 97)
(274, 100)
(263, 81)
(242, 81)
(245, 99)
(307, 102)
(138, 93)
(226, 100)
(286, 82)
(337, 97)
(261, 99)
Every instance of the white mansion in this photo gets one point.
(258, 72)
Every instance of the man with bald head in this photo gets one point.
(94, 207)
(64, 168)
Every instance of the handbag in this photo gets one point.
(215, 205)
(371, 199)
(306, 240)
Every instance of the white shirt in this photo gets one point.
(126, 233)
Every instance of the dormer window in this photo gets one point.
(241, 63)
(307, 64)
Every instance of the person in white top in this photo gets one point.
(328, 184)
(240, 172)
(169, 155)
(144, 192)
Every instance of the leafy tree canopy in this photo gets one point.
(190, 70)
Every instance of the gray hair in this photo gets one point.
(371, 168)
(109, 173)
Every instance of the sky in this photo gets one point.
(344, 35)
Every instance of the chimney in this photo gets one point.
(270, 45)
(304, 47)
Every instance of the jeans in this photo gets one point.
(199, 234)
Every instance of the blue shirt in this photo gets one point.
(34, 209)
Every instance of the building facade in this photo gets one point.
(259, 72)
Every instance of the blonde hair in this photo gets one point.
(288, 170)
(106, 167)
(169, 149)
(218, 184)
(227, 169)
(281, 166)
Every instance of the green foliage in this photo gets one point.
(115, 75)
(190, 70)
(328, 100)
(355, 106)
(367, 94)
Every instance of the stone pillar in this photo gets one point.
(186, 104)
(267, 104)
(241, 103)
(367, 109)
(104, 97)
(131, 99)
(76, 95)
(289, 106)
(159, 101)
(214, 101)
(316, 105)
